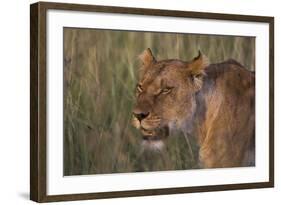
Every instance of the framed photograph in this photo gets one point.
(134, 102)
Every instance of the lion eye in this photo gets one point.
(166, 90)
(139, 88)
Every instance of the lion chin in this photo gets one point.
(154, 139)
(153, 145)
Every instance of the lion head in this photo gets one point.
(165, 95)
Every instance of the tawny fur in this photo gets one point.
(213, 102)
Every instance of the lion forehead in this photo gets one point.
(169, 72)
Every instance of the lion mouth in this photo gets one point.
(154, 135)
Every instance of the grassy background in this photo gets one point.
(100, 68)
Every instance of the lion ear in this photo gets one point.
(199, 64)
(197, 69)
(147, 57)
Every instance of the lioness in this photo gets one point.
(215, 103)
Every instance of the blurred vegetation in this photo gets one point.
(100, 68)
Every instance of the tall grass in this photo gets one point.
(100, 74)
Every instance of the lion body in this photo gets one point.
(215, 103)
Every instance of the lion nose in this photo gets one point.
(140, 115)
